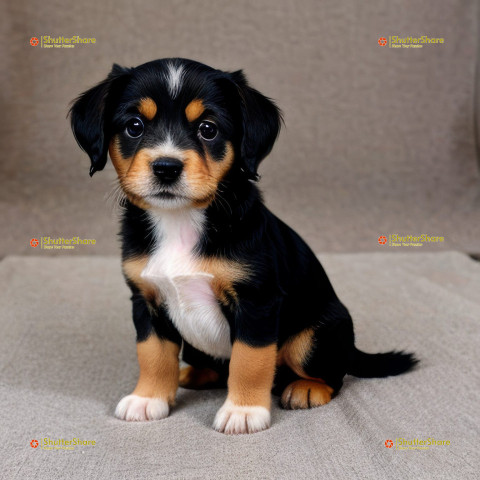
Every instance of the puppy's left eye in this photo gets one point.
(134, 127)
(208, 130)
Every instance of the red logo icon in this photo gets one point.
(382, 41)
(34, 242)
(34, 41)
(389, 443)
(382, 240)
(34, 443)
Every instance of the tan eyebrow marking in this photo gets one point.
(194, 109)
(148, 108)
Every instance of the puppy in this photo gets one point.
(210, 268)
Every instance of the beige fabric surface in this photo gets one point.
(67, 355)
(377, 140)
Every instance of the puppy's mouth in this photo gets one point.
(166, 195)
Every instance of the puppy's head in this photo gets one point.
(174, 130)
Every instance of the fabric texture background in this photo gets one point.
(67, 355)
(377, 140)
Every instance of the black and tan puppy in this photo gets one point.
(209, 266)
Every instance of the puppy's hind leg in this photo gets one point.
(317, 376)
(203, 371)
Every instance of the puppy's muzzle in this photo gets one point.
(167, 169)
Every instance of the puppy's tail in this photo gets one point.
(370, 365)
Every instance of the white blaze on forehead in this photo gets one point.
(174, 77)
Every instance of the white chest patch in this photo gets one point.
(184, 288)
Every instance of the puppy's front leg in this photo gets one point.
(247, 408)
(158, 346)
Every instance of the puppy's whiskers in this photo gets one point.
(222, 202)
(116, 196)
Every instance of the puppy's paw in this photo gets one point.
(234, 419)
(306, 394)
(140, 409)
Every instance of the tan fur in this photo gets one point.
(132, 268)
(225, 274)
(159, 369)
(251, 374)
(148, 108)
(122, 166)
(306, 394)
(120, 163)
(197, 378)
(204, 175)
(138, 177)
(296, 350)
(194, 109)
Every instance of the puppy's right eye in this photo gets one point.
(134, 127)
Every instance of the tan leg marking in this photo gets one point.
(159, 369)
(306, 394)
(251, 374)
(157, 383)
(310, 392)
(247, 408)
(296, 351)
(133, 268)
(194, 109)
(148, 108)
(197, 378)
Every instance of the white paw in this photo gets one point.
(233, 419)
(139, 409)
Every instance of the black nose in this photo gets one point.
(167, 169)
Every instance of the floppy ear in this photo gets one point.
(91, 113)
(261, 121)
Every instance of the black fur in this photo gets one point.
(91, 116)
(287, 291)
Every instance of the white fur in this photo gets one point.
(174, 78)
(233, 419)
(138, 409)
(185, 289)
(165, 149)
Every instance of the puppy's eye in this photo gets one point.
(134, 127)
(208, 130)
